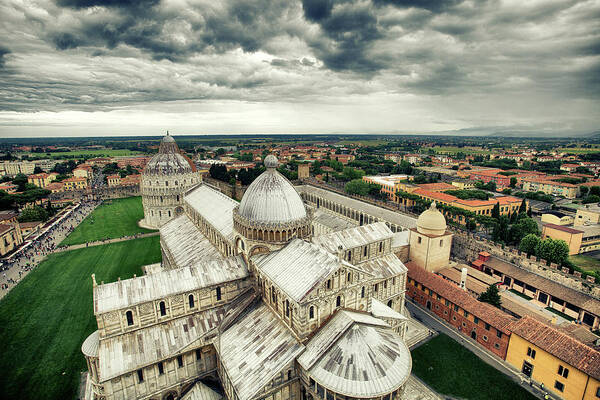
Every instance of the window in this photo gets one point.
(559, 386)
(447, 302)
(311, 312)
(365, 251)
(191, 300)
(163, 308)
(442, 243)
(497, 345)
(562, 371)
(362, 292)
(476, 320)
(376, 287)
(485, 339)
(349, 278)
(466, 313)
(530, 352)
(140, 374)
(287, 308)
(419, 240)
(180, 361)
(487, 327)
(338, 301)
(198, 355)
(328, 283)
(598, 392)
(166, 183)
(380, 247)
(218, 293)
(455, 308)
(498, 334)
(161, 370)
(349, 256)
(169, 213)
(129, 315)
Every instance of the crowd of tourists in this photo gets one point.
(35, 248)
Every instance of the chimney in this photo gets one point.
(463, 279)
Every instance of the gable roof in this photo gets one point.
(354, 237)
(298, 267)
(215, 207)
(256, 348)
(559, 344)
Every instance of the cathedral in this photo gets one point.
(275, 297)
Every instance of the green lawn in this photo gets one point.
(45, 318)
(112, 219)
(586, 263)
(452, 370)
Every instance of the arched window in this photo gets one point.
(338, 301)
(441, 242)
(365, 251)
(191, 300)
(175, 183)
(349, 278)
(166, 183)
(287, 308)
(169, 213)
(163, 308)
(380, 246)
(218, 293)
(129, 316)
(177, 197)
(362, 292)
(311, 312)
(349, 256)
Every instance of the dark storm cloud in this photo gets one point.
(108, 3)
(3, 53)
(316, 10)
(435, 6)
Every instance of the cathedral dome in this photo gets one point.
(168, 160)
(431, 221)
(271, 198)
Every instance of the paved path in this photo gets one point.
(105, 241)
(441, 326)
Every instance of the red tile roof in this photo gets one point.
(559, 344)
(437, 186)
(490, 314)
(563, 228)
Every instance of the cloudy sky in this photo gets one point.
(139, 67)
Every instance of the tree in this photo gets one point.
(496, 211)
(36, 213)
(491, 296)
(357, 186)
(529, 243)
(21, 181)
(37, 170)
(471, 225)
(523, 227)
(513, 182)
(556, 251)
(583, 190)
(592, 198)
(523, 207)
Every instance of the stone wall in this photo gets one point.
(466, 246)
(234, 191)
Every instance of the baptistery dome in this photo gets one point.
(165, 180)
(169, 160)
(271, 198)
(431, 221)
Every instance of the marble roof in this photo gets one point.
(214, 207)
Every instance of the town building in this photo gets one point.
(303, 171)
(11, 236)
(574, 304)
(246, 294)
(551, 187)
(12, 168)
(430, 241)
(589, 214)
(566, 367)
(573, 237)
(489, 326)
(74, 184)
(557, 218)
(390, 184)
(164, 182)
(84, 171)
(42, 179)
(113, 180)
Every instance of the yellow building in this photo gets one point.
(557, 218)
(390, 185)
(553, 188)
(573, 237)
(464, 185)
(41, 180)
(74, 183)
(589, 215)
(113, 180)
(565, 366)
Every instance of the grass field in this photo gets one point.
(81, 153)
(112, 219)
(587, 263)
(452, 370)
(454, 150)
(45, 318)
